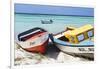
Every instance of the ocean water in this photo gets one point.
(25, 22)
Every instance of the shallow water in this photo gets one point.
(24, 22)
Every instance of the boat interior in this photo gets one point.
(30, 33)
(63, 38)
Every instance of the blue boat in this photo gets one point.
(77, 41)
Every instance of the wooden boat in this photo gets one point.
(47, 22)
(75, 41)
(34, 40)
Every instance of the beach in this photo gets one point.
(52, 55)
(25, 22)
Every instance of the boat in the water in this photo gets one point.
(34, 40)
(76, 41)
(47, 22)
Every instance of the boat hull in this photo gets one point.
(38, 49)
(36, 44)
(78, 51)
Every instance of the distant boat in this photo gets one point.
(47, 22)
(34, 40)
(75, 41)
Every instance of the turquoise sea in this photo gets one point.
(24, 22)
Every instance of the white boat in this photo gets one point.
(76, 41)
(34, 40)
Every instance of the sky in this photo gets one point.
(58, 10)
(77, 3)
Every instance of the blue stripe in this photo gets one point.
(53, 10)
(81, 44)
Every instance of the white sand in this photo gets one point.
(23, 57)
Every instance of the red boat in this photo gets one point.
(34, 40)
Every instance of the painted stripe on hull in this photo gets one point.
(76, 49)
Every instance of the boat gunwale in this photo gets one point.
(74, 45)
(30, 31)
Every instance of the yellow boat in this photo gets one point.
(76, 41)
